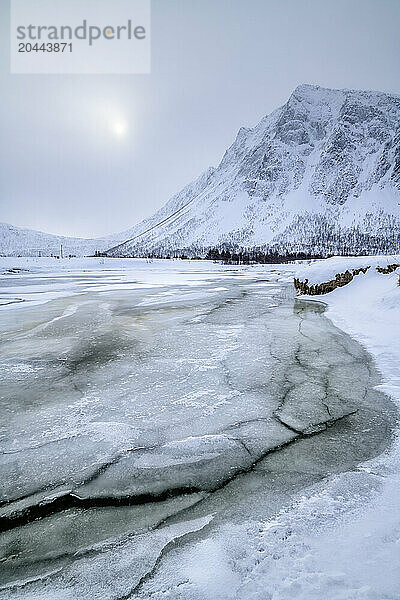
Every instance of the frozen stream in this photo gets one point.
(145, 411)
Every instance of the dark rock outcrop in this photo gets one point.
(388, 269)
(317, 289)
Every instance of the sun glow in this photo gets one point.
(119, 128)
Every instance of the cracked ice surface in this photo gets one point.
(142, 411)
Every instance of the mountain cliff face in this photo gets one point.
(319, 174)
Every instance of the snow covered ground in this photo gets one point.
(359, 557)
(123, 379)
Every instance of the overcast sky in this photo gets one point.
(216, 65)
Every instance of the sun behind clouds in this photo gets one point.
(119, 128)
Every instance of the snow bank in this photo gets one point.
(321, 271)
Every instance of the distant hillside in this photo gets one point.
(17, 241)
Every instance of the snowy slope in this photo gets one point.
(321, 173)
(17, 241)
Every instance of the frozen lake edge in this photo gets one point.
(265, 363)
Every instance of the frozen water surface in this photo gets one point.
(150, 410)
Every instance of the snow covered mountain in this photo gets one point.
(319, 174)
(17, 241)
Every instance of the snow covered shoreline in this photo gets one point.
(368, 308)
(361, 557)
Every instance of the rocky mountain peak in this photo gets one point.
(327, 161)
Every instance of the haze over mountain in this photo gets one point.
(320, 174)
